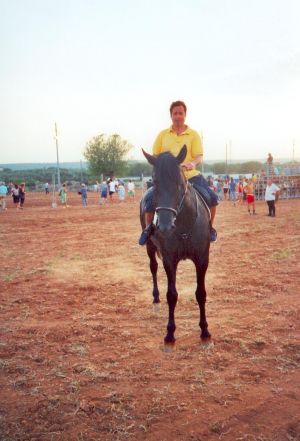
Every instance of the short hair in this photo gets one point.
(176, 104)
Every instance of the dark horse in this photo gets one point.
(182, 231)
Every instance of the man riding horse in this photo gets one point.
(171, 140)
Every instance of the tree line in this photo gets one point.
(129, 169)
(106, 156)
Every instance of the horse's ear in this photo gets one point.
(151, 159)
(182, 154)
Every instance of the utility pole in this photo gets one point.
(293, 150)
(81, 171)
(57, 159)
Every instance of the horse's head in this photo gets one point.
(169, 187)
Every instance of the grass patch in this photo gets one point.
(9, 277)
(282, 254)
(78, 349)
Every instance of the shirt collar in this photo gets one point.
(186, 132)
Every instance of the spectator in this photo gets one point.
(63, 194)
(249, 189)
(121, 192)
(15, 195)
(245, 183)
(271, 192)
(112, 187)
(46, 187)
(131, 190)
(3, 193)
(232, 188)
(240, 191)
(270, 169)
(149, 183)
(9, 188)
(220, 190)
(225, 189)
(103, 189)
(210, 183)
(254, 178)
(269, 159)
(83, 192)
(21, 195)
(215, 184)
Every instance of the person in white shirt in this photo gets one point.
(112, 187)
(271, 191)
(131, 189)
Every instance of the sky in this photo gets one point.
(94, 66)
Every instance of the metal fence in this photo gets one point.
(289, 186)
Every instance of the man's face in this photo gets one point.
(178, 115)
(269, 181)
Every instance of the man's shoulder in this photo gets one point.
(165, 132)
(192, 131)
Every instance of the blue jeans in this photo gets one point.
(232, 196)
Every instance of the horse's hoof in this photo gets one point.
(168, 347)
(205, 336)
(169, 340)
(156, 301)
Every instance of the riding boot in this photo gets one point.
(146, 234)
(213, 235)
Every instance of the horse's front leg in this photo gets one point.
(151, 250)
(172, 296)
(201, 298)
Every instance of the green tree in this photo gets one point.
(106, 154)
(139, 168)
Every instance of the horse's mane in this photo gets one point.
(167, 170)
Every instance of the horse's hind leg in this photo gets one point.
(151, 250)
(201, 298)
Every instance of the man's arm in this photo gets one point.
(156, 149)
(193, 164)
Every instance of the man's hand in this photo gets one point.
(188, 165)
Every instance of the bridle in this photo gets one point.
(173, 210)
(186, 234)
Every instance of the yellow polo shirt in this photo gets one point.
(169, 141)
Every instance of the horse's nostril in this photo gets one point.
(163, 228)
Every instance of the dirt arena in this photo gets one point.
(82, 353)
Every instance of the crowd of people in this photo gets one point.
(242, 191)
(110, 189)
(114, 190)
(237, 191)
(17, 191)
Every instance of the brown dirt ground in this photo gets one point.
(82, 353)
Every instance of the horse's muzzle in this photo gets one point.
(164, 228)
(166, 218)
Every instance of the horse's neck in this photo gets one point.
(188, 213)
